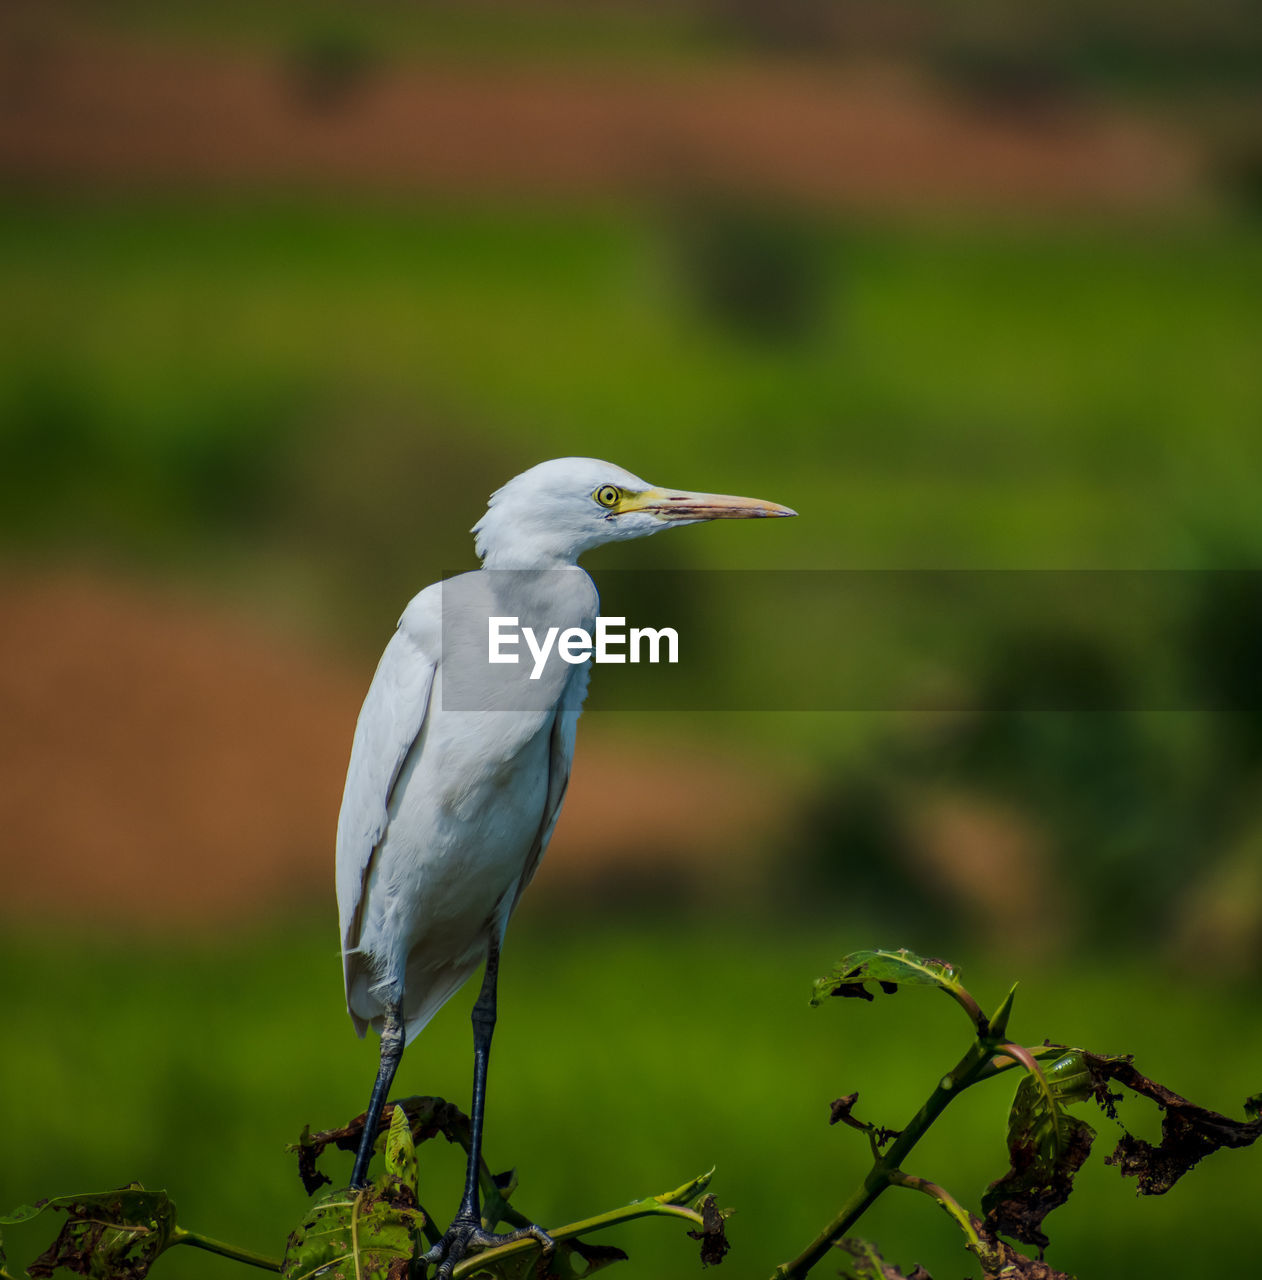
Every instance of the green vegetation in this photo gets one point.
(291, 392)
(624, 1050)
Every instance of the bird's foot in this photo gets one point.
(466, 1234)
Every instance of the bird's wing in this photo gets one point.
(390, 721)
(560, 757)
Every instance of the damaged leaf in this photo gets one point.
(373, 1232)
(593, 1256)
(307, 1150)
(111, 1235)
(401, 1153)
(427, 1118)
(1038, 1112)
(1046, 1148)
(889, 970)
(713, 1234)
(1188, 1132)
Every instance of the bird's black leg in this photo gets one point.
(391, 1052)
(466, 1229)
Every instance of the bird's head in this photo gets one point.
(548, 516)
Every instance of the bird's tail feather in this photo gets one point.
(426, 989)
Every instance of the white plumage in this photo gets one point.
(447, 812)
(459, 767)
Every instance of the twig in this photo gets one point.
(182, 1235)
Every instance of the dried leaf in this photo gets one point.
(308, 1150)
(1046, 1148)
(1188, 1132)
(427, 1118)
(841, 1111)
(595, 1256)
(713, 1234)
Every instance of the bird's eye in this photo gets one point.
(607, 495)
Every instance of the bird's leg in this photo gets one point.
(466, 1229)
(483, 1019)
(391, 1052)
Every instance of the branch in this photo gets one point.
(961, 1216)
(650, 1206)
(181, 1235)
(885, 1169)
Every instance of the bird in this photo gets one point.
(458, 770)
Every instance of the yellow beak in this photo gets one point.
(680, 504)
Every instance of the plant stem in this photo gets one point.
(637, 1209)
(182, 1235)
(1003, 1060)
(948, 1202)
(885, 1169)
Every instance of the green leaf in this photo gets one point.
(401, 1152)
(1038, 1109)
(1046, 1148)
(23, 1213)
(687, 1193)
(496, 1191)
(999, 1019)
(109, 1235)
(889, 969)
(367, 1231)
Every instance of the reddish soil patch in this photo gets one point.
(165, 765)
(118, 114)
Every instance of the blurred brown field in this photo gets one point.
(862, 135)
(197, 764)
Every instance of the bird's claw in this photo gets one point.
(466, 1234)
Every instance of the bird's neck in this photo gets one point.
(524, 556)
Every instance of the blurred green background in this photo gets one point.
(290, 288)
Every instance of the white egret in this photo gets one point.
(455, 781)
